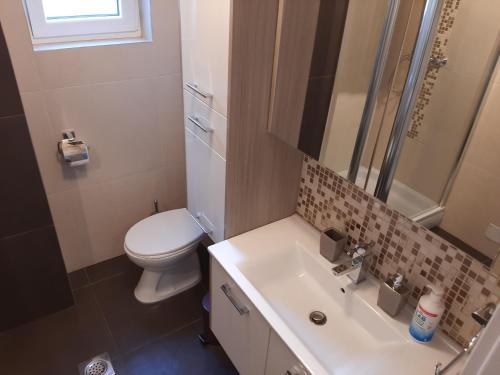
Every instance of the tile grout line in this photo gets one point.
(155, 77)
(6, 117)
(152, 341)
(101, 311)
(87, 278)
(107, 278)
(42, 227)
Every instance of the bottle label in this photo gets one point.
(423, 324)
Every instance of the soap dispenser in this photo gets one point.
(426, 318)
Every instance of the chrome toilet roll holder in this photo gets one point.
(73, 151)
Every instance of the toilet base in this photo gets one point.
(155, 286)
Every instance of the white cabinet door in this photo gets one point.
(206, 184)
(239, 327)
(205, 49)
(207, 124)
(280, 359)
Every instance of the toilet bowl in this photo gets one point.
(165, 246)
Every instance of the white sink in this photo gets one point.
(280, 270)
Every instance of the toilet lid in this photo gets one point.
(163, 233)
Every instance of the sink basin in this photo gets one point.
(281, 271)
(294, 283)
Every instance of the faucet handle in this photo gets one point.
(483, 315)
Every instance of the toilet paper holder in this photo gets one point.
(73, 151)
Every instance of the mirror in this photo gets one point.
(304, 71)
(446, 176)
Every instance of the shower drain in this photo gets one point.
(99, 365)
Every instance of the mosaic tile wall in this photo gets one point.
(446, 21)
(327, 200)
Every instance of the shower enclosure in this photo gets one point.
(414, 133)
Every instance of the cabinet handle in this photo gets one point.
(297, 370)
(197, 122)
(206, 226)
(202, 93)
(242, 309)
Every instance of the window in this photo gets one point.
(73, 20)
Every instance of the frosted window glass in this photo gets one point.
(57, 9)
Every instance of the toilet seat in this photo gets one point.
(164, 235)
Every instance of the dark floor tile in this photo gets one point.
(78, 279)
(33, 278)
(179, 353)
(56, 344)
(109, 268)
(23, 201)
(10, 103)
(134, 324)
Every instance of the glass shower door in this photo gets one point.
(443, 114)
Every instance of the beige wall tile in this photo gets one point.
(472, 205)
(484, 149)
(473, 38)
(88, 65)
(473, 201)
(451, 108)
(117, 119)
(169, 109)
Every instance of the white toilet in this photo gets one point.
(165, 246)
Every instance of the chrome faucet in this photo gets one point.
(482, 316)
(356, 266)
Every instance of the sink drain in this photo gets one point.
(99, 365)
(318, 318)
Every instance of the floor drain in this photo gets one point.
(99, 365)
(318, 318)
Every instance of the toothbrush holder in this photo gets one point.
(392, 295)
(332, 244)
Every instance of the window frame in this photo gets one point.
(43, 31)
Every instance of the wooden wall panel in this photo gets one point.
(263, 173)
(296, 31)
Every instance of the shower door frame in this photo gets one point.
(416, 74)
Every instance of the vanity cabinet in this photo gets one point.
(239, 327)
(247, 338)
(281, 360)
